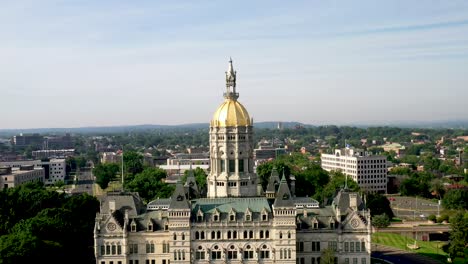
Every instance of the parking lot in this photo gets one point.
(412, 208)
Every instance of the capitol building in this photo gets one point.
(238, 221)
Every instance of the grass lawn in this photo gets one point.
(432, 249)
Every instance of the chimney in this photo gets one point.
(112, 205)
(353, 201)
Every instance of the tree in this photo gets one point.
(459, 235)
(133, 162)
(42, 223)
(379, 204)
(380, 221)
(200, 178)
(455, 199)
(105, 173)
(149, 184)
(437, 188)
(328, 256)
(337, 181)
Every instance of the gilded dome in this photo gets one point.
(231, 113)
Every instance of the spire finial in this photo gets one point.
(231, 82)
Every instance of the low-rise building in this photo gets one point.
(54, 169)
(53, 153)
(13, 177)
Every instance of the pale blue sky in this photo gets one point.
(100, 63)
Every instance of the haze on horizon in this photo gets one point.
(108, 63)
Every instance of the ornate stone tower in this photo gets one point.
(231, 147)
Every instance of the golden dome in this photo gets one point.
(231, 113)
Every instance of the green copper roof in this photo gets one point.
(224, 205)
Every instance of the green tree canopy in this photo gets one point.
(149, 184)
(133, 162)
(105, 173)
(328, 256)
(455, 199)
(379, 204)
(459, 235)
(200, 178)
(43, 226)
(381, 220)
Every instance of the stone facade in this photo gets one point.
(237, 222)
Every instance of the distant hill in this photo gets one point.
(454, 124)
(132, 128)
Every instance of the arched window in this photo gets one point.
(200, 253)
(232, 252)
(213, 234)
(229, 234)
(267, 234)
(197, 235)
(175, 236)
(216, 253)
(248, 252)
(264, 252)
(281, 235)
(183, 236)
(202, 235)
(245, 234)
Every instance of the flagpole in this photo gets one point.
(122, 170)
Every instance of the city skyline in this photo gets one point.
(88, 64)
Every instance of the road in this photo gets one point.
(84, 182)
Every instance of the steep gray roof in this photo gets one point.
(122, 201)
(342, 200)
(178, 198)
(273, 181)
(283, 196)
(191, 186)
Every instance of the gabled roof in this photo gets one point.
(342, 200)
(123, 201)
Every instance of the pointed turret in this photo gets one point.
(283, 196)
(191, 187)
(273, 184)
(178, 199)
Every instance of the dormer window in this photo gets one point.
(133, 227)
(216, 217)
(248, 215)
(199, 216)
(264, 215)
(232, 217)
(315, 223)
(150, 226)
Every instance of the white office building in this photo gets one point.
(369, 171)
(54, 169)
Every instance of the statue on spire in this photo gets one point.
(231, 82)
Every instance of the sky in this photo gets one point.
(110, 63)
